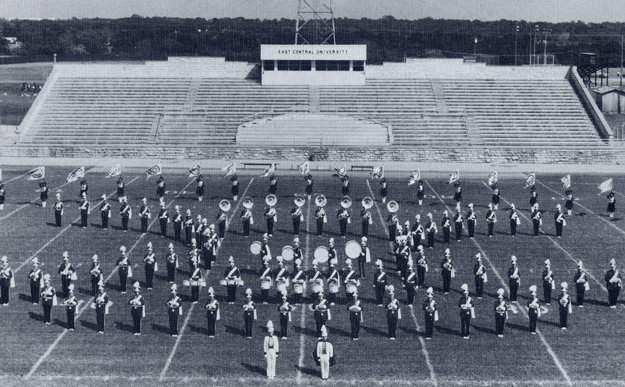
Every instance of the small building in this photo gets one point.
(610, 99)
(12, 42)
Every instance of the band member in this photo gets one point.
(446, 226)
(222, 222)
(611, 204)
(189, 228)
(95, 274)
(334, 281)
(177, 220)
(320, 218)
(430, 229)
(174, 309)
(564, 305)
(67, 271)
(533, 309)
(271, 217)
(393, 313)
(265, 251)
(570, 199)
(420, 192)
(614, 283)
(536, 219)
(416, 232)
(364, 257)
(125, 212)
(137, 309)
(345, 185)
(422, 267)
(458, 223)
(467, 311)
(430, 313)
(479, 271)
(160, 189)
(297, 253)
(533, 197)
(581, 283)
(200, 225)
(273, 185)
(199, 190)
(383, 189)
(48, 299)
(514, 280)
(266, 278)
(209, 248)
(299, 282)
(447, 272)
(249, 313)
(322, 312)
(232, 276)
(315, 278)
(105, 212)
(235, 187)
(410, 284)
(247, 219)
(344, 218)
(282, 278)
(43, 193)
(7, 281)
(124, 269)
(58, 210)
(144, 215)
(101, 307)
(548, 282)
(331, 253)
(163, 219)
(212, 312)
(195, 280)
(121, 189)
(171, 261)
(406, 234)
(271, 349)
(35, 277)
(501, 313)
(70, 303)
(84, 211)
(285, 310)
(309, 186)
(495, 198)
(150, 265)
(458, 192)
(558, 218)
(350, 279)
(491, 219)
(84, 189)
(514, 219)
(379, 283)
(392, 223)
(355, 316)
(365, 221)
(324, 354)
(471, 220)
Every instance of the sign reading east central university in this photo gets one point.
(313, 52)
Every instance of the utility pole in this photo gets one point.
(475, 47)
(621, 74)
(516, 33)
(547, 31)
(536, 32)
(530, 51)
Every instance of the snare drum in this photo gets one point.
(186, 283)
(334, 287)
(352, 249)
(282, 287)
(202, 283)
(317, 286)
(350, 288)
(298, 287)
(265, 284)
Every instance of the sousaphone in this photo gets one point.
(321, 201)
(367, 202)
(392, 206)
(224, 205)
(346, 202)
(271, 200)
(299, 200)
(248, 202)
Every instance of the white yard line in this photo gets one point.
(302, 323)
(186, 320)
(424, 351)
(60, 233)
(51, 348)
(29, 203)
(553, 355)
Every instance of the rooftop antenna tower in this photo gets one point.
(315, 22)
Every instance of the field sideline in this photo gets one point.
(588, 353)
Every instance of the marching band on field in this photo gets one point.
(407, 245)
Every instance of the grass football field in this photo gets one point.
(588, 353)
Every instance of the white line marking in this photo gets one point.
(60, 233)
(302, 323)
(43, 357)
(555, 358)
(186, 320)
(29, 203)
(414, 317)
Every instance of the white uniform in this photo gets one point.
(325, 351)
(271, 349)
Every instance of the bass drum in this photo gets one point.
(287, 253)
(321, 254)
(352, 249)
(255, 248)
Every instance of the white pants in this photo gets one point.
(271, 363)
(325, 366)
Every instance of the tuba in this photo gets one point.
(271, 200)
(367, 202)
(392, 206)
(299, 200)
(248, 203)
(321, 201)
(346, 202)
(224, 205)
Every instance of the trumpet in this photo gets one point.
(392, 206)
(321, 201)
(224, 205)
(367, 202)
(271, 200)
(346, 202)
(248, 203)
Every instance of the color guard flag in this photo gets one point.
(492, 179)
(566, 182)
(530, 180)
(153, 170)
(114, 171)
(340, 172)
(36, 173)
(269, 170)
(454, 177)
(304, 168)
(377, 172)
(414, 177)
(230, 169)
(194, 172)
(606, 186)
(75, 174)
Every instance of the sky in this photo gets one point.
(531, 10)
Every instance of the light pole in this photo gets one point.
(475, 47)
(536, 32)
(621, 73)
(547, 32)
(516, 33)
